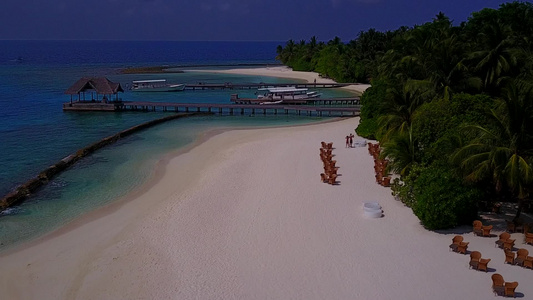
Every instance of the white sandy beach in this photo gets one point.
(245, 216)
(285, 72)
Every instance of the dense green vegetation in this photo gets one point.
(452, 107)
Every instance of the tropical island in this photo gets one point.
(245, 212)
(452, 107)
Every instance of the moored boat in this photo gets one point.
(278, 95)
(156, 85)
(286, 93)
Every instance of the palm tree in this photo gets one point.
(287, 54)
(401, 152)
(503, 152)
(497, 58)
(399, 106)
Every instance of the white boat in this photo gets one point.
(285, 94)
(156, 85)
(271, 102)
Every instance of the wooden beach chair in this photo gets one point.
(330, 171)
(509, 257)
(508, 244)
(323, 177)
(462, 247)
(521, 256)
(528, 262)
(477, 227)
(510, 288)
(486, 230)
(483, 264)
(502, 238)
(528, 238)
(455, 242)
(475, 256)
(498, 284)
(332, 179)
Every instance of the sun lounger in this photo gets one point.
(510, 288)
(498, 284)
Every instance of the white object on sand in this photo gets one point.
(372, 209)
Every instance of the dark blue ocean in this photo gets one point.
(35, 132)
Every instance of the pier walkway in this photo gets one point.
(215, 108)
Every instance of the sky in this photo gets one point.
(220, 20)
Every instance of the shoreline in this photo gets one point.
(157, 174)
(26, 189)
(286, 72)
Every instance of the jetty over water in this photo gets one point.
(102, 95)
(230, 109)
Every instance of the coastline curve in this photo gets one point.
(24, 190)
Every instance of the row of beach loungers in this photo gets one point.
(520, 258)
(330, 169)
(380, 165)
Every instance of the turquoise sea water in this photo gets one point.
(35, 132)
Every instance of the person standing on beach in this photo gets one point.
(347, 141)
(351, 140)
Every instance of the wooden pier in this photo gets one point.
(231, 109)
(346, 101)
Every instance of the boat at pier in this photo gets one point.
(278, 95)
(285, 93)
(156, 85)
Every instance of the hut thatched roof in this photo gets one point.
(101, 85)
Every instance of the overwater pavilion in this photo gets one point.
(101, 89)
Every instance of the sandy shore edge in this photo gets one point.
(286, 72)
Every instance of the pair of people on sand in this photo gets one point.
(349, 141)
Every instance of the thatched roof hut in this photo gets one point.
(99, 85)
